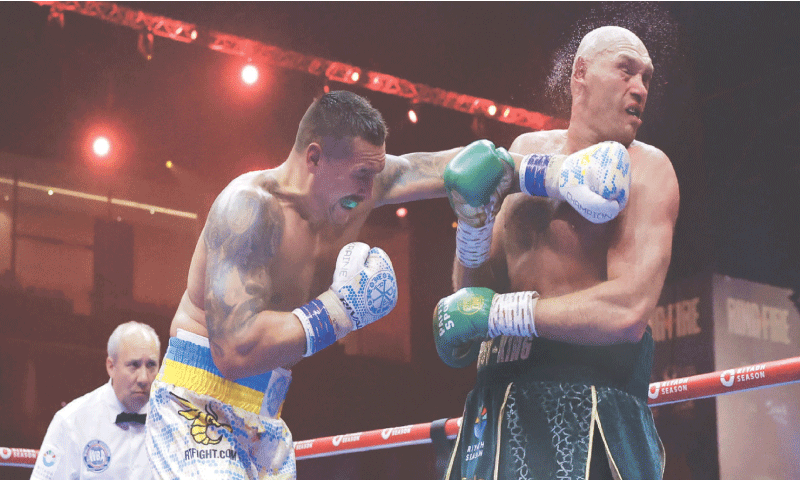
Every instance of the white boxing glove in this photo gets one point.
(364, 289)
(596, 181)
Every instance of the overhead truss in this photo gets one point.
(258, 52)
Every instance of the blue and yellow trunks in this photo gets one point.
(202, 425)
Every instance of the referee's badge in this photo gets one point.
(96, 456)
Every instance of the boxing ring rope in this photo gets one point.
(751, 377)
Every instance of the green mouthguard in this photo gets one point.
(348, 203)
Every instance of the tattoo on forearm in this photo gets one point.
(242, 236)
(412, 169)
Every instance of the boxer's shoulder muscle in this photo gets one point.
(242, 237)
(545, 141)
(245, 224)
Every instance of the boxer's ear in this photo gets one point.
(313, 155)
(579, 72)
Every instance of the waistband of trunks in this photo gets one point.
(624, 366)
(191, 366)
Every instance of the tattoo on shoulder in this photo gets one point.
(242, 236)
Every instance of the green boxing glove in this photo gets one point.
(460, 324)
(471, 315)
(476, 180)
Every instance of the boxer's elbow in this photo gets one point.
(634, 320)
(229, 363)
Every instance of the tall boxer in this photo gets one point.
(556, 312)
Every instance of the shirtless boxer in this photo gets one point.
(259, 296)
(560, 297)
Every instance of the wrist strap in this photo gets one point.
(317, 324)
(473, 243)
(513, 314)
(533, 173)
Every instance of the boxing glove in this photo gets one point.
(595, 181)
(364, 289)
(476, 180)
(464, 319)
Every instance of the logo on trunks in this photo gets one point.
(391, 432)
(5, 453)
(480, 424)
(744, 374)
(476, 450)
(203, 454)
(201, 421)
(96, 456)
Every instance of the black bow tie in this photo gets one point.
(131, 417)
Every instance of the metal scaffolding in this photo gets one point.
(150, 24)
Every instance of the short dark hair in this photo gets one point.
(339, 115)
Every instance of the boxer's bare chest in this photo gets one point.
(305, 263)
(550, 248)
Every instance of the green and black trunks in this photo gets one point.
(541, 409)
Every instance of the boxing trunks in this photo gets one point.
(538, 404)
(202, 425)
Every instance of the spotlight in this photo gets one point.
(169, 164)
(145, 44)
(412, 115)
(101, 146)
(355, 76)
(249, 74)
(492, 110)
(402, 212)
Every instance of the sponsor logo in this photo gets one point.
(744, 374)
(5, 453)
(96, 456)
(49, 458)
(727, 378)
(347, 253)
(381, 293)
(652, 392)
(202, 422)
(204, 454)
(303, 444)
(668, 387)
(391, 432)
(586, 212)
(675, 320)
(510, 349)
(480, 424)
(352, 437)
(750, 319)
(470, 305)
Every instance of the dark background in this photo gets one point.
(724, 106)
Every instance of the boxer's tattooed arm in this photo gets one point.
(242, 236)
(413, 176)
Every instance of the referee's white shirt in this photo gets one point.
(83, 441)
